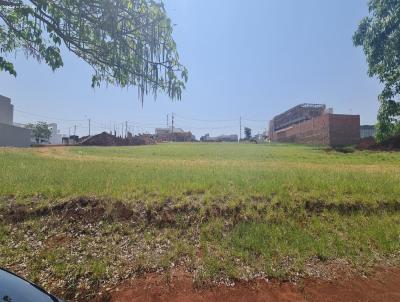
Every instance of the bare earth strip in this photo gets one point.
(382, 286)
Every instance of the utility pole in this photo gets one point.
(240, 133)
(122, 129)
(126, 128)
(167, 121)
(173, 120)
(89, 127)
(74, 130)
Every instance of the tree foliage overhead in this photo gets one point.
(126, 42)
(379, 35)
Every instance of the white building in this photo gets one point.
(10, 134)
(56, 137)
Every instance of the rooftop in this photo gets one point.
(297, 114)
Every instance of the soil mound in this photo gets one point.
(82, 209)
(390, 144)
(106, 139)
(366, 143)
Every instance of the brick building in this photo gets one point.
(313, 124)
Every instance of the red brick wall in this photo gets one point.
(314, 131)
(344, 129)
(327, 129)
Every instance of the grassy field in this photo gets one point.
(79, 219)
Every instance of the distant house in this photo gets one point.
(55, 137)
(221, 138)
(163, 131)
(173, 135)
(11, 135)
(259, 138)
(367, 131)
(71, 140)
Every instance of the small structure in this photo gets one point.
(313, 124)
(221, 138)
(367, 131)
(10, 134)
(70, 140)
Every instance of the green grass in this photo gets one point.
(236, 171)
(239, 210)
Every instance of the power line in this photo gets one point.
(173, 120)
(207, 128)
(127, 125)
(207, 121)
(48, 117)
(257, 121)
(240, 133)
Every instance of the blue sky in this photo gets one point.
(249, 58)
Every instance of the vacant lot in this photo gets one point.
(80, 220)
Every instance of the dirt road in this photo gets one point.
(382, 286)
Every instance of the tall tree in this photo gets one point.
(40, 131)
(126, 42)
(379, 35)
(247, 133)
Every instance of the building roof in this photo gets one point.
(297, 114)
(367, 126)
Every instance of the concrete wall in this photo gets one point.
(6, 111)
(11, 136)
(327, 129)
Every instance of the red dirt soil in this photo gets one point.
(382, 286)
(390, 144)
